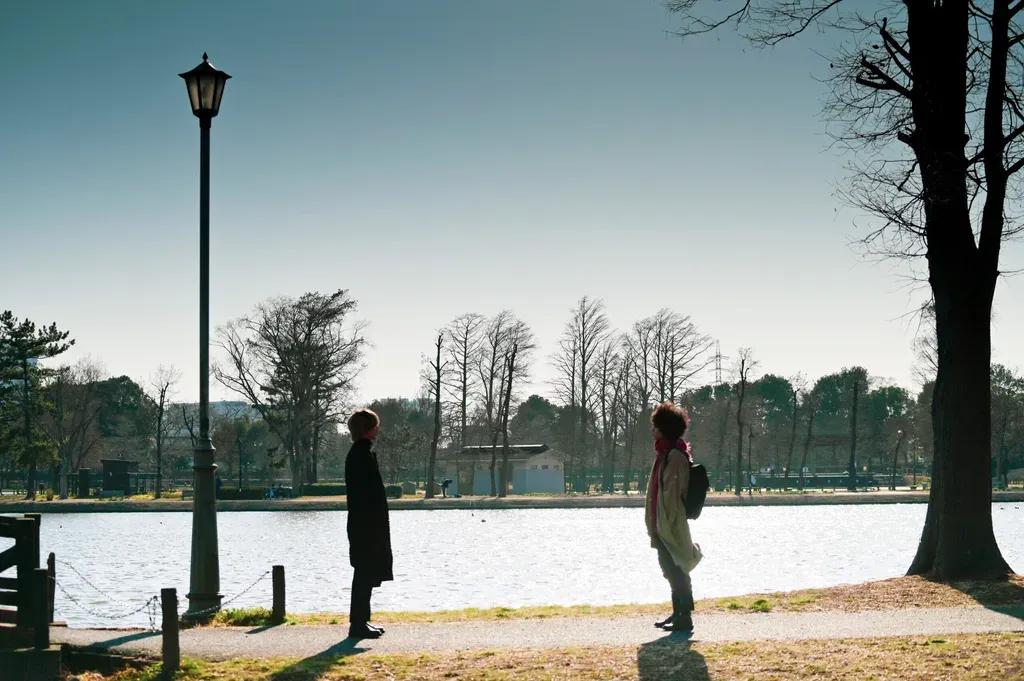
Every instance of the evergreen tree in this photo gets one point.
(22, 346)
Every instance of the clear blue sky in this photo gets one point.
(435, 158)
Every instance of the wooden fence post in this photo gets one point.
(27, 541)
(51, 584)
(171, 649)
(277, 577)
(40, 619)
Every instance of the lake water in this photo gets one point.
(459, 558)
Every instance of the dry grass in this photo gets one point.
(969, 657)
(888, 594)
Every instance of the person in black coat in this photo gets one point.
(369, 532)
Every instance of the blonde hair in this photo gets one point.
(362, 422)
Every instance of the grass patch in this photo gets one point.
(243, 617)
(890, 594)
(980, 656)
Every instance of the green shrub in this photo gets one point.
(244, 617)
(393, 491)
(324, 489)
(234, 493)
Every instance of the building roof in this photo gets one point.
(516, 452)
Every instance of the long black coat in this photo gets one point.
(369, 531)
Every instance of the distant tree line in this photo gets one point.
(56, 420)
(294, 363)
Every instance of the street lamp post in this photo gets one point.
(205, 86)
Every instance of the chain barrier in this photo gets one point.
(199, 614)
(151, 606)
(112, 599)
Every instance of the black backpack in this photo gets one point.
(696, 491)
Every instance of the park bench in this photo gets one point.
(187, 494)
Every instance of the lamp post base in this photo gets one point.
(204, 584)
(202, 607)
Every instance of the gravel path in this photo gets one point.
(307, 641)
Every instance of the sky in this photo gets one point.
(436, 158)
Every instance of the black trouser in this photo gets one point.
(678, 579)
(359, 608)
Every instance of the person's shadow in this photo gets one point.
(671, 658)
(315, 666)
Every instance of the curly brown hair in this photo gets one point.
(671, 419)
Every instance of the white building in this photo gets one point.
(533, 469)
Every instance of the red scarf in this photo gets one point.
(663, 446)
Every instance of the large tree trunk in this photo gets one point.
(957, 541)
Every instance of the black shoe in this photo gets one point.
(665, 621)
(374, 627)
(683, 624)
(364, 632)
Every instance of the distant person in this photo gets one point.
(218, 483)
(666, 515)
(369, 532)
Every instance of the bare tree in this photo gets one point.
(464, 338)
(860, 384)
(520, 345)
(434, 384)
(160, 393)
(609, 392)
(491, 368)
(294, 361)
(744, 365)
(811, 406)
(928, 95)
(680, 352)
(585, 333)
(926, 347)
(566, 364)
(799, 384)
(638, 350)
(510, 362)
(464, 346)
